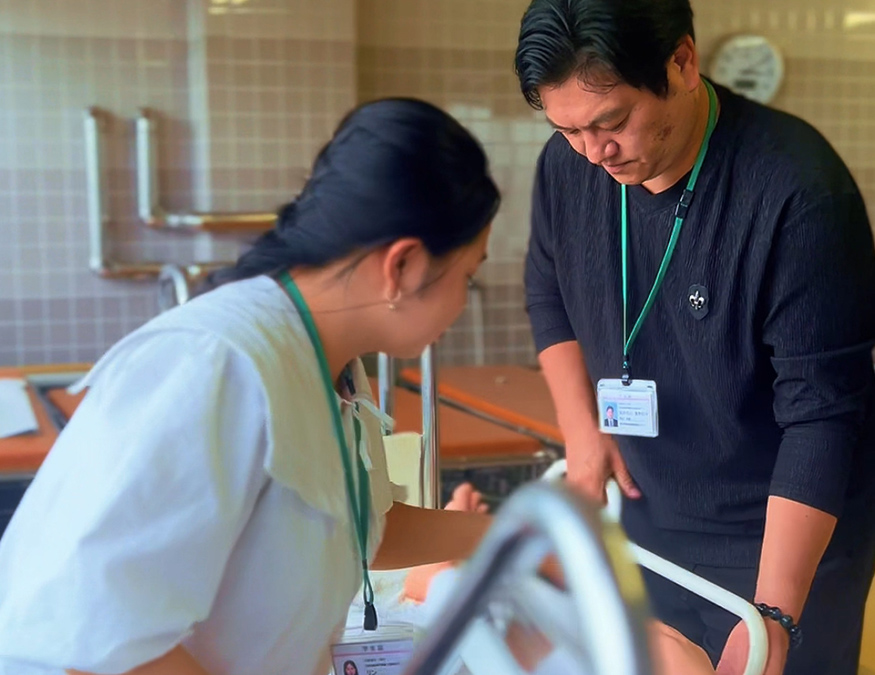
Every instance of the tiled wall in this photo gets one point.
(829, 52)
(243, 93)
(56, 58)
(247, 90)
(459, 55)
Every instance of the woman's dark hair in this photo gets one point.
(627, 41)
(350, 663)
(395, 168)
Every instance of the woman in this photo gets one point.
(194, 516)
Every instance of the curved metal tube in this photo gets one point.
(595, 572)
(148, 202)
(173, 288)
(758, 649)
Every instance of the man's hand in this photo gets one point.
(594, 458)
(734, 657)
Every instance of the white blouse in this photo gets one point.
(196, 497)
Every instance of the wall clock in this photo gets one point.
(749, 65)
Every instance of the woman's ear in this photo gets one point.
(405, 269)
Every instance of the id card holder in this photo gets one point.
(385, 651)
(628, 410)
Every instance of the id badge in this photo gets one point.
(628, 410)
(385, 651)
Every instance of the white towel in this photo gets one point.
(16, 413)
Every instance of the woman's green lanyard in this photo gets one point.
(680, 214)
(360, 507)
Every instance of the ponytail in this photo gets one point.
(395, 168)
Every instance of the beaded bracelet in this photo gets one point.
(785, 620)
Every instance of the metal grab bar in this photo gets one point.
(96, 121)
(602, 584)
(430, 472)
(148, 202)
(174, 287)
(431, 462)
(386, 384)
(758, 645)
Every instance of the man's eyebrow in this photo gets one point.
(597, 122)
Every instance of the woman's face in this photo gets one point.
(350, 669)
(425, 313)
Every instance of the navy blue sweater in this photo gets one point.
(771, 390)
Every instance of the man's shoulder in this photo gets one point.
(779, 148)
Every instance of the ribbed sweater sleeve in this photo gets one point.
(820, 326)
(544, 303)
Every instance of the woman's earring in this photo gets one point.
(393, 302)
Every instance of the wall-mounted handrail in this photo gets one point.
(609, 610)
(148, 198)
(98, 211)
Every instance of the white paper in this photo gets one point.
(16, 412)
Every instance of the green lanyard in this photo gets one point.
(359, 507)
(680, 214)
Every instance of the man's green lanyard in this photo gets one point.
(360, 507)
(680, 214)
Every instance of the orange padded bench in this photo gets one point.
(64, 401)
(23, 454)
(513, 395)
(464, 440)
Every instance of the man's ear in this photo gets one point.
(685, 62)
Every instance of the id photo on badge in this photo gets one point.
(349, 668)
(610, 416)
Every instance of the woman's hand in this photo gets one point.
(465, 498)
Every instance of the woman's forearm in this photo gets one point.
(175, 662)
(416, 536)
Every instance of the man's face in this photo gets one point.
(610, 413)
(633, 134)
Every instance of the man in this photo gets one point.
(609, 417)
(713, 258)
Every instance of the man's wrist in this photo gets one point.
(581, 430)
(782, 594)
(777, 621)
